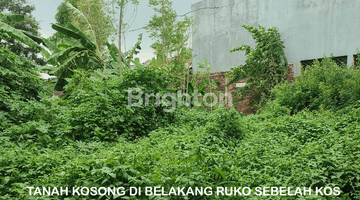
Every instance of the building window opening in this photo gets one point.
(307, 63)
(339, 60)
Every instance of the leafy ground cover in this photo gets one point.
(304, 150)
(92, 138)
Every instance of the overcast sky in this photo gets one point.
(45, 11)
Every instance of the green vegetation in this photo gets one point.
(306, 135)
(28, 24)
(265, 67)
(171, 38)
(80, 50)
(97, 15)
(324, 85)
(20, 86)
(92, 139)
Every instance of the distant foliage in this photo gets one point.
(171, 38)
(265, 67)
(30, 25)
(323, 85)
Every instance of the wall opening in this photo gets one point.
(356, 60)
(339, 60)
(307, 63)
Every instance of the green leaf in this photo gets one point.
(114, 51)
(64, 54)
(221, 173)
(33, 37)
(52, 47)
(75, 33)
(18, 35)
(10, 17)
(79, 16)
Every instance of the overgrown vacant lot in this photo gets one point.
(91, 138)
(304, 150)
(303, 142)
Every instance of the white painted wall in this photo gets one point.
(309, 29)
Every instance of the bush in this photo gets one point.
(44, 123)
(52, 143)
(99, 107)
(224, 127)
(19, 84)
(303, 150)
(324, 85)
(265, 67)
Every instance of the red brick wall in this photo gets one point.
(243, 105)
(58, 93)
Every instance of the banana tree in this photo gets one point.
(82, 52)
(79, 52)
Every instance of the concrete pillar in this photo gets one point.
(350, 59)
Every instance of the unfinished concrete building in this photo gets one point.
(310, 29)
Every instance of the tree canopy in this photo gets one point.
(29, 24)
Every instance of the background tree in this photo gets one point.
(171, 40)
(29, 24)
(122, 4)
(161, 27)
(79, 52)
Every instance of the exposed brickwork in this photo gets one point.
(58, 93)
(243, 105)
(290, 75)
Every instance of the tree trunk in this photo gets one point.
(120, 23)
(163, 33)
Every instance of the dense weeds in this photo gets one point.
(307, 136)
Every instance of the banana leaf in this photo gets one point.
(18, 35)
(75, 33)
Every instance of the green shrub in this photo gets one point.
(19, 83)
(224, 127)
(99, 107)
(303, 150)
(265, 66)
(324, 85)
(52, 142)
(43, 122)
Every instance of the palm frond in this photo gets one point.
(70, 60)
(52, 47)
(114, 51)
